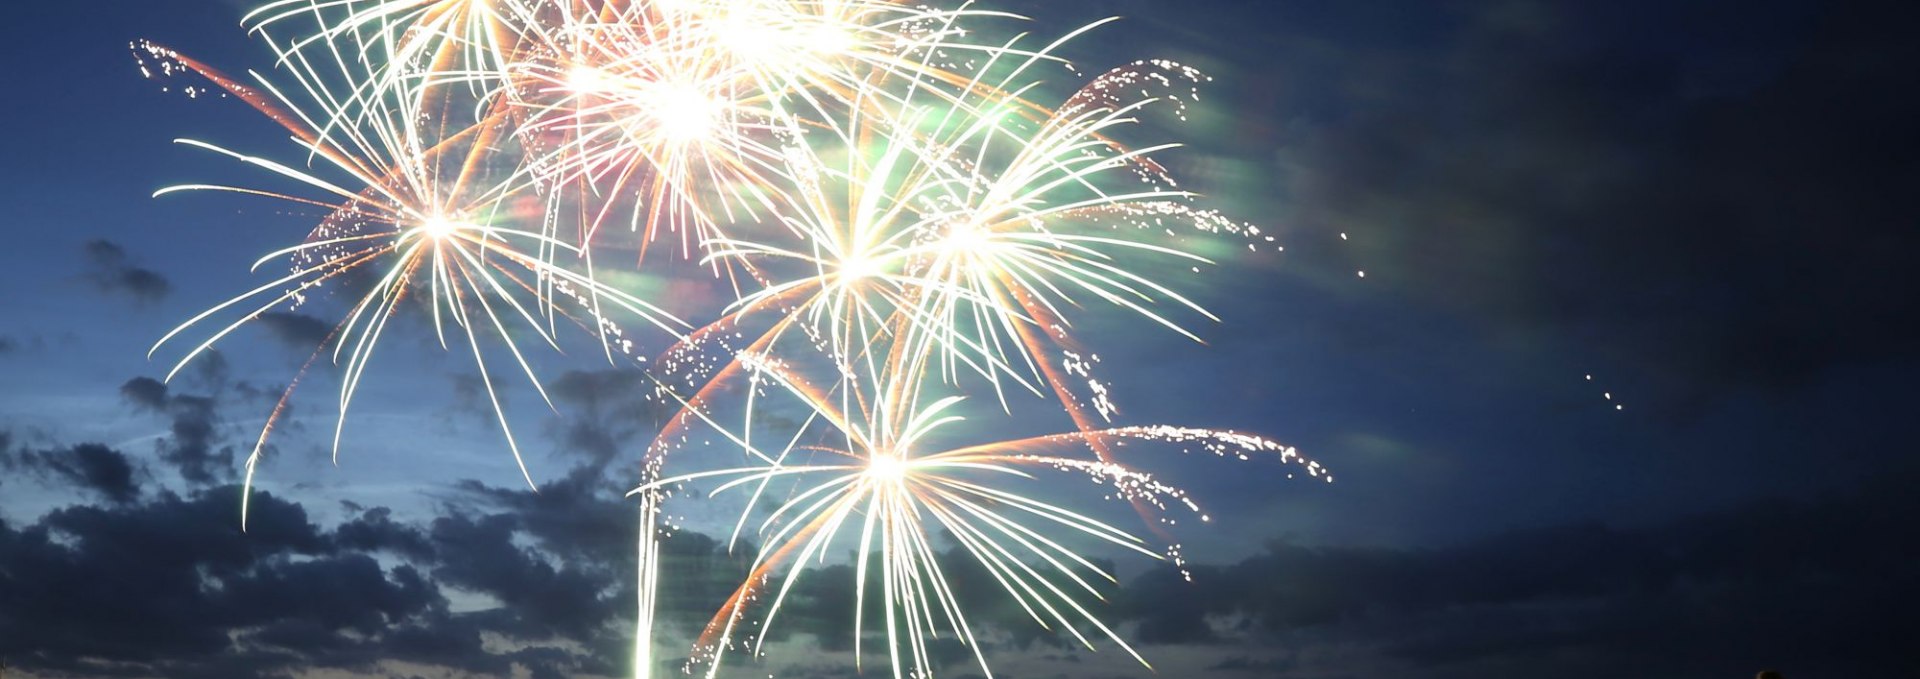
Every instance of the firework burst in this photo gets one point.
(420, 220)
(878, 480)
(905, 212)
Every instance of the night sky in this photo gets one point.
(1620, 392)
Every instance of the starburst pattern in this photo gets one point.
(906, 212)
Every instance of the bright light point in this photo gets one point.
(747, 35)
(858, 268)
(886, 468)
(588, 79)
(436, 228)
(964, 238)
(1363, 274)
(829, 40)
(683, 113)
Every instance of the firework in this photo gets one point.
(956, 236)
(401, 46)
(688, 115)
(906, 212)
(422, 220)
(876, 479)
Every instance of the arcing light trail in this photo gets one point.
(885, 487)
(904, 219)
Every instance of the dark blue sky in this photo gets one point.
(1707, 207)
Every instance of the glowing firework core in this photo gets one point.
(683, 114)
(886, 468)
(746, 36)
(585, 78)
(829, 40)
(858, 268)
(438, 228)
(966, 239)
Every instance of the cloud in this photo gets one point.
(149, 583)
(1671, 186)
(112, 272)
(192, 444)
(145, 393)
(15, 344)
(545, 599)
(295, 330)
(169, 586)
(163, 584)
(374, 530)
(577, 516)
(90, 466)
(608, 411)
(580, 563)
(1806, 585)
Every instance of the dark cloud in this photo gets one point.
(90, 466)
(605, 413)
(582, 531)
(171, 587)
(472, 400)
(145, 393)
(185, 592)
(1715, 195)
(25, 342)
(112, 272)
(1807, 586)
(192, 446)
(174, 588)
(1272, 666)
(88, 587)
(575, 579)
(296, 330)
(374, 530)
(579, 516)
(546, 599)
(210, 372)
(608, 411)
